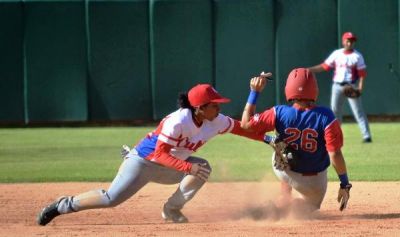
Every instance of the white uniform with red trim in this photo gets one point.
(147, 162)
(349, 66)
(185, 137)
(163, 156)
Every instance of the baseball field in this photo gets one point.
(41, 164)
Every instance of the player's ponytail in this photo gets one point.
(183, 102)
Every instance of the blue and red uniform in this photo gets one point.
(312, 132)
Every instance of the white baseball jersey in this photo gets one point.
(179, 131)
(348, 65)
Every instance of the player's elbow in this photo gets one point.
(244, 125)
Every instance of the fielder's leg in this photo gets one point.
(361, 118)
(337, 101)
(188, 187)
(132, 176)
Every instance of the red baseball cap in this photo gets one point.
(203, 94)
(349, 35)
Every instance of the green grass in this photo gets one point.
(92, 154)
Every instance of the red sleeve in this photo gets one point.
(362, 73)
(264, 122)
(325, 66)
(333, 136)
(238, 130)
(161, 156)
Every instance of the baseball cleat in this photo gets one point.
(49, 213)
(367, 140)
(173, 215)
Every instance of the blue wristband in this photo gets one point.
(344, 180)
(253, 97)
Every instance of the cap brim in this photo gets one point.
(221, 100)
(351, 38)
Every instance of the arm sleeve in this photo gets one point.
(361, 63)
(264, 122)
(325, 66)
(361, 67)
(330, 61)
(362, 73)
(238, 130)
(224, 124)
(162, 156)
(171, 132)
(333, 136)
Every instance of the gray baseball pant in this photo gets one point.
(134, 173)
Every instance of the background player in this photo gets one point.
(163, 156)
(312, 131)
(350, 69)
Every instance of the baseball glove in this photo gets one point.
(351, 92)
(285, 156)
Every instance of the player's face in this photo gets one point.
(210, 111)
(348, 44)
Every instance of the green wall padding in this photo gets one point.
(306, 34)
(119, 86)
(182, 49)
(376, 24)
(11, 63)
(56, 61)
(244, 46)
(124, 60)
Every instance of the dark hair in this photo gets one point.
(183, 102)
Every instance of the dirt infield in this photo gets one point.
(219, 209)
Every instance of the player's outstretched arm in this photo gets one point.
(338, 162)
(316, 68)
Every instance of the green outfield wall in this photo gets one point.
(181, 49)
(55, 61)
(126, 60)
(11, 63)
(244, 46)
(119, 60)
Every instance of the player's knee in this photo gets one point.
(108, 200)
(208, 166)
(112, 201)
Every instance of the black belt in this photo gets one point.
(344, 83)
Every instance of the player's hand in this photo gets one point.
(125, 151)
(200, 171)
(257, 83)
(343, 196)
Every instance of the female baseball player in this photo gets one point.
(350, 70)
(163, 156)
(311, 131)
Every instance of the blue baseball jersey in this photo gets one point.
(311, 132)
